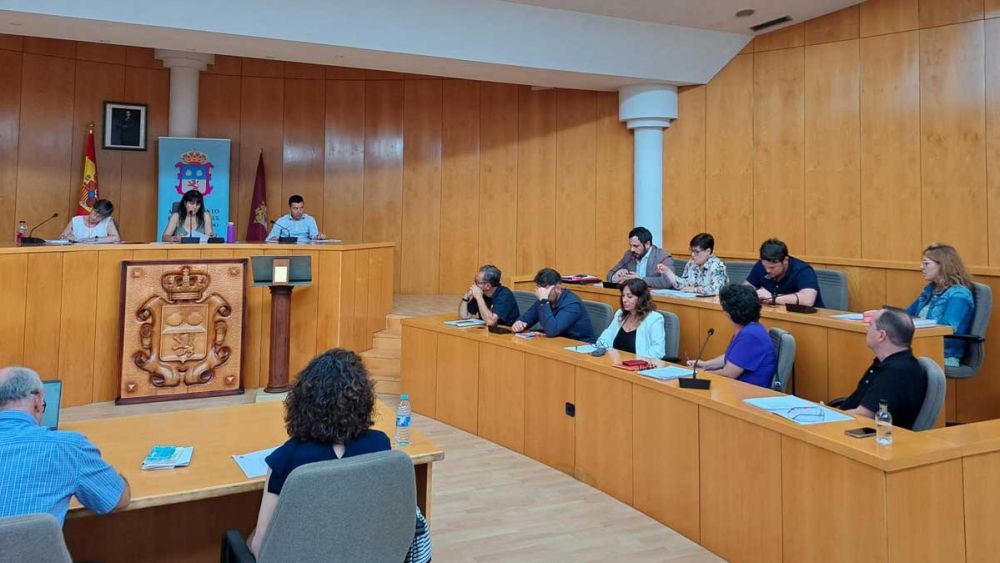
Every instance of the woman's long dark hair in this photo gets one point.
(644, 299)
(194, 196)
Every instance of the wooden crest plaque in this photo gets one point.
(181, 329)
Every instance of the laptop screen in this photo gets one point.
(53, 400)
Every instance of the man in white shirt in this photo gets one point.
(296, 223)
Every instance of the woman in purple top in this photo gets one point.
(750, 356)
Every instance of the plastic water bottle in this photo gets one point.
(403, 421)
(22, 229)
(883, 424)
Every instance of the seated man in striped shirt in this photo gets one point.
(41, 469)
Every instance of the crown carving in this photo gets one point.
(185, 285)
(194, 157)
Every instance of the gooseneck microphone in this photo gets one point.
(33, 241)
(693, 382)
(288, 238)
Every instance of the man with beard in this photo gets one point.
(641, 260)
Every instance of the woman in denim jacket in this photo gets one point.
(947, 299)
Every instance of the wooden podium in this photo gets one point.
(281, 274)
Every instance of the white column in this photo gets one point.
(184, 70)
(648, 109)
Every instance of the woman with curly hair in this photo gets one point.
(329, 415)
(750, 356)
(637, 327)
(947, 298)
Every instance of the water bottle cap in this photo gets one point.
(404, 397)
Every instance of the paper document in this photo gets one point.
(850, 317)
(666, 373)
(466, 322)
(57, 242)
(799, 411)
(675, 293)
(326, 241)
(923, 323)
(582, 349)
(252, 464)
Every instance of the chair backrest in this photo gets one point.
(33, 537)
(525, 300)
(738, 271)
(936, 388)
(784, 352)
(355, 509)
(679, 264)
(833, 288)
(672, 328)
(600, 315)
(975, 352)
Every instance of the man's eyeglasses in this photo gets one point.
(696, 251)
(806, 414)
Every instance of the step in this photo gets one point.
(382, 366)
(385, 340)
(387, 385)
(381, 353)
(393, 324)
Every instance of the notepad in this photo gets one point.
(465, 322)
(582, 349)
(850, 317)
(253, 464)
(666, 373)
(675, 293)
(168, 457)
(798, 410)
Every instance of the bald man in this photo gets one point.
(41, 469)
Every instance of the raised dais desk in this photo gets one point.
(61, 310)
(180, 514)
(744, 483)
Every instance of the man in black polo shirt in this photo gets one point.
(780, 278)
(493, 302)
(894, 376)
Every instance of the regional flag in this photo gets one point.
(257, 226)
(88, 189)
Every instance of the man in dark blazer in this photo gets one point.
(641, 259)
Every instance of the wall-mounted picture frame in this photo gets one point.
(125, 126)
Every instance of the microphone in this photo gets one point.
(33, 241)
(288, 239)
(694, 382)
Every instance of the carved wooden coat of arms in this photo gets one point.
(182, 329)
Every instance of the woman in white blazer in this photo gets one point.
(637, 327)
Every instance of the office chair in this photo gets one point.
(784, 352)
(975, 341)
(937, 386)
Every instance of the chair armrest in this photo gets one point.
(234, 548)
(966, 337)
(835, 403)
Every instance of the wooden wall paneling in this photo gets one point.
(219, 253)
(501, 396)
(684, 172)
(902, 287)
(717, 345)
(150, 254)
(11, 42)
(811, 478)
(261, 129)
(250, 371)
(953, 147)
(139, 174)
(77, 327)
(331, 312)
(837, 26)
(45, 141)
(384, 165)
(107, 316)
(991, 9)
(100, 52)
(226, 65)
(460, 219)
(845, 369)
(498, 150)
(992, 50)
(421, 231)
(890, 141)
(982, 497)
(12, 292)
(740, 488)
(665, 460)
(219, 118)
(142, 57)
(934, 13)
(380, 264)
(690, 329)
(921, 499)
(549, 433)
(344, 73)
(303, 159)
(305, 310)
(613, 200)
(190, 253)
(880, 17)
(457, 388)
(344, 187)
(729, 194)
(784, 38)
(97, 82)
(61, 48)
(778, 147)
(870, 293)
(536, 179)
(42, 312)
(576, 181)
(604, 433)
(832, 150)
(10, 109)
(349, 267)
(813, 359)
(358, 328)
(263, 68)
(305, 71)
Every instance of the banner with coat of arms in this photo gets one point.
(194, 164)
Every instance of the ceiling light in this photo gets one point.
(745, 13)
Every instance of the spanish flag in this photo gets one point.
(88, 190)
(257, 225)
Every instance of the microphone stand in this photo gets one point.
(34, 241)
(693, 382)
(286, 239)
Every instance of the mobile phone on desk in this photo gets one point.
(863, 432)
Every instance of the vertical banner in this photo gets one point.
(194, 164)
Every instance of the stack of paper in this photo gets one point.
(168, 457)
(253, 464)
(465, 322)
(675, 293)
(666, 373)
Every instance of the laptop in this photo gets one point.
(53, 401)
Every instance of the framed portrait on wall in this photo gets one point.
(125, 126)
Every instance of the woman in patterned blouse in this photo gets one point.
(704, 274)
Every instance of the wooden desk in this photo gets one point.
(746, 484)
(65, 313)
(830, 354)
(180, 514)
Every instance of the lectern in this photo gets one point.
(281, 274)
